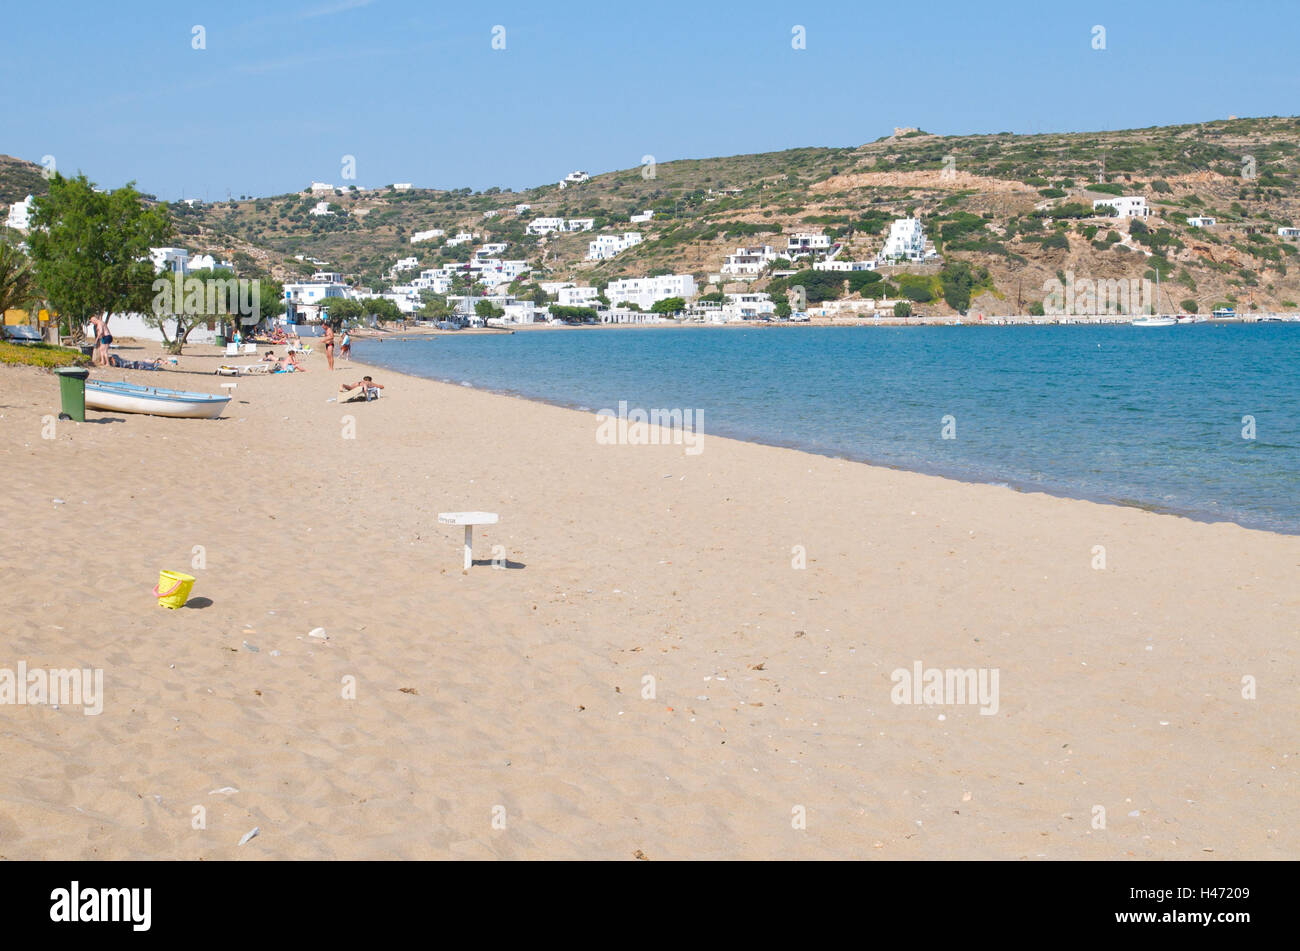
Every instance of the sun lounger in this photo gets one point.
(250, 348)
(244, 369)
(232, 349)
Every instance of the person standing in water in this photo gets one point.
(329, 345)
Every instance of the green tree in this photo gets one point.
(486, 309)
(903, 309)
(1189, 305)
(669, 305)
(181, 303)
(17, 279)
(91, 249)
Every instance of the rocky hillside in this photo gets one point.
(1017, 208)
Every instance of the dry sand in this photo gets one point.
(517, 692)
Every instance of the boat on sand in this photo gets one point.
(121, 397)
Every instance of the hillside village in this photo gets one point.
(911, 224)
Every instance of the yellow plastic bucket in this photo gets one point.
(173, 589)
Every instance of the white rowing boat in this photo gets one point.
(153, 400)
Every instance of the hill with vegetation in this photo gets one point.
(1008, 212)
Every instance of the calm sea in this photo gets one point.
(1148, 417)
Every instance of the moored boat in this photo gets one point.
(1154, 322)
(124, 397)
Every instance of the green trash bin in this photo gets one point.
(220, 340)
(72, 392)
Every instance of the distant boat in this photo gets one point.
(1154, 322)
(152, 400)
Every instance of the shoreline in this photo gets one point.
(1199, 516)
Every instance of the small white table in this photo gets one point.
(469, 520)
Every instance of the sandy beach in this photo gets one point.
(505, 712)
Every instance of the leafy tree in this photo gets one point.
(181, 303)
(1189, 305)
(17, 279)
(669, 305)
(903, 309)
(91, 249)
(957, 280)
(486, 309)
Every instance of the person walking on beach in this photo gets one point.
(329, 345)
(346, 350)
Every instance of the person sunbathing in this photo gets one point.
(115, 361)
(364, 387)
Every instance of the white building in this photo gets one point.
(834, 265)
(574, 178)
(1201, 222)
(322, 208)
(643, 217)
(490, 213)
(747, 306)
(177, 260)
(321, 188)
(521, 208)
(462, 237)
(749, 261)
(427, 235)
(581, 224)
(607, 246)
(806, 242)
(489, 249)
(906, 242)
(1128, 206)
(1288, 232)
(20, 214)
(644, 291)
(305, 301)
(520, 312)
(554, 287)
(545, 225)
(206, 262)
(405, 264)
(401, 186)
(578, 296)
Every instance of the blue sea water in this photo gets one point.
(1148, 417)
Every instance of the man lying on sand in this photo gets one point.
(115, 361)
(363, 387)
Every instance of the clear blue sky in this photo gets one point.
(416, 93)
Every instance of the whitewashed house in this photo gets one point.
(644, 291)
(643, 217)
(831, 264)
(1288, 232)
(747, 306)
(304, 302)
(578, 296)
(906, 242)
(321, 188)
(1201, 222)
(1128, 206)
(461, 237)
(405, 264)
(427, 235)
(521, 208)
(489, 249)
(545, 225)
(206, 262)
(20, 214)
(554, 287)
(322, 208)
(401, 186)
(176, 260)
(581, 224)
(574, 178)
(748, 261)
(806, 242)
(606, 246)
